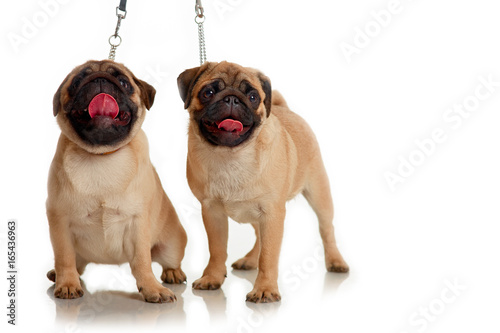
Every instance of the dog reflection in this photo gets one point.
(117, 307)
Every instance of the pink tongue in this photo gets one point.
(231, 125)
(103, 105)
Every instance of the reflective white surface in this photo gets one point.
(222, 310)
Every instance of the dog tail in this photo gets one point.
(278, 100)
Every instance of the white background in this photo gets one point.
(423, 256)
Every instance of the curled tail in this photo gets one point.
(277, 99)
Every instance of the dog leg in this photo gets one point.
(169, 255)
(140, 265)
(265, 289)
(68, 280)
(317, 192)
(251, 260)
(80, 268)
(170, 250)
(216, 226)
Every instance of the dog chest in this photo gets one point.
(226, 177)
(244, 211)
(103, 230)
(90, 174)
(101, 205)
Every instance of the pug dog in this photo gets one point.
(248, 154)
(105, 201)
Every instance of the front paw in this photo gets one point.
(157, 294)
(264, 295)
(68, 290)
(208, 282)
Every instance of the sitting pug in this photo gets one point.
(105, 201)
(247, 155)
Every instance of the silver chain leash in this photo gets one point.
(199, 19)
(115, 40)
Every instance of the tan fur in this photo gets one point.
(111, 208)
(251, 183)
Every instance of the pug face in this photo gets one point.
(101, 105)
(227, 102)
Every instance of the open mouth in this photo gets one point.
(226, 126)
(102, 111)
(225, 132)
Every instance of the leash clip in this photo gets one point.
(198, 8)
(121, 13)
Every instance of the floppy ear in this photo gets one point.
(56, 101)
(186, 82)
(147, 94)
(266, 86)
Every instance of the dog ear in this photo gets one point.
(148, 92)
(186, 82)
(266, 86)
(56, 101)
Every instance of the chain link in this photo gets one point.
(199, 19)
(201, 39)
(115, 40)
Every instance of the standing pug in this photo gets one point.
(105, 201)
(248, 154)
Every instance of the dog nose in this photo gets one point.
(232, 100)
(100, 80)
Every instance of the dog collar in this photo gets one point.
(109, 152)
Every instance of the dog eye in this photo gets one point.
(124, 83)
(253, 97)
(206, 94)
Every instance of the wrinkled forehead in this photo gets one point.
(107, 66)
(233, 76)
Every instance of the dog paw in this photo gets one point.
(208, 282)
(264, 295)
(51, 275)
(245, 264)
(158, 294)
(172, 276)
(68, 291)
(337, 266)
